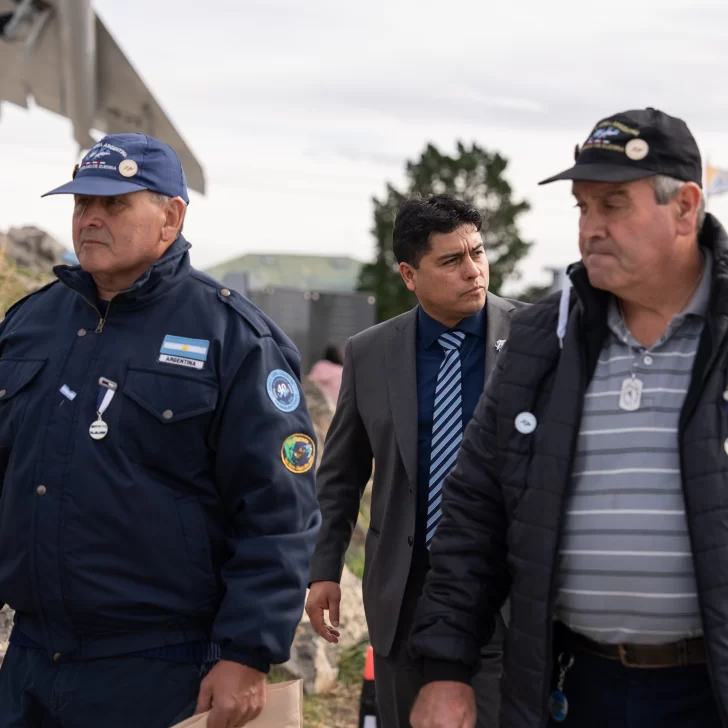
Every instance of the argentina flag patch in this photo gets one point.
(190, 353)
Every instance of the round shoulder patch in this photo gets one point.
(298, 453)
(283, 390)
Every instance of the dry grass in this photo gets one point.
(13, 283)
(340, 708)
(337, 710)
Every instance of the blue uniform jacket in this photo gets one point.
(191, 521)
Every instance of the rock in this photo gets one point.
(313, 659)
(32, 249)
(352, 621)
(6, 624)
(321, 410)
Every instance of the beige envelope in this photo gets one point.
(283, 709)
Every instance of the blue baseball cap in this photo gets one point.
(124, 163)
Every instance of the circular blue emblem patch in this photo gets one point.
(283, 390)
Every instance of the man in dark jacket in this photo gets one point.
(157, 501)
(591, 484)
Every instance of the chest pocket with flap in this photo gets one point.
(16, 376)
(165, 420)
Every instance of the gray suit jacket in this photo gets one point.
(376, 419)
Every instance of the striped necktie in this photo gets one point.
(447, 426)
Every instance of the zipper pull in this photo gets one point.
(100, 326)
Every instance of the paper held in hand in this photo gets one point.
(283, 709)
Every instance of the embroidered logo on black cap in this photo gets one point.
(633, 145)
(609, 135)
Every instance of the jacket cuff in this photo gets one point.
(250, 659)
(439, 670)
(324, 573)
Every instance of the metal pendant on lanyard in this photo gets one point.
(630, 396)
(107, 389)
(558, 704)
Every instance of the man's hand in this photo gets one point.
(234, 693)
(445, 704)
(324, 596)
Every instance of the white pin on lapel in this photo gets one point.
(526, 423)
(499, 344)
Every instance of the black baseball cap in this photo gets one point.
(124, 163)
(633, 145)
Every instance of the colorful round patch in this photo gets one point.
(283, 390)
(298, 453)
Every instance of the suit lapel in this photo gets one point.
(497, 325)
(401, 364)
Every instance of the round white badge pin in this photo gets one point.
(637, 149)
(128, 168)
(526, 423)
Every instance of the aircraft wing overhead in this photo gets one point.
(12, 86)
(37, 61)
(125, 104)
(39, 75)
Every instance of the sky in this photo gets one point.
(301, 112)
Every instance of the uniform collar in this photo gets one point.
(429, 330)
(162, 275)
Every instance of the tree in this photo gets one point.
(533, 293)
(472, 174)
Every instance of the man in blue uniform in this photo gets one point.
(157, 502)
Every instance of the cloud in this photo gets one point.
(300, 112)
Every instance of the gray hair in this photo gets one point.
(159, 199)
(666, 189)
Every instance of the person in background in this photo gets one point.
(327, 372)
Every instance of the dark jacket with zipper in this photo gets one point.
(183, 525)
(503, 508)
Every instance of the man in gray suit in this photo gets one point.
(409, 387)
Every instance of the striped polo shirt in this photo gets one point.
(625, 565)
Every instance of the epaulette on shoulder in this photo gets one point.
(240, 304)
(19, 303)
(246, 309)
